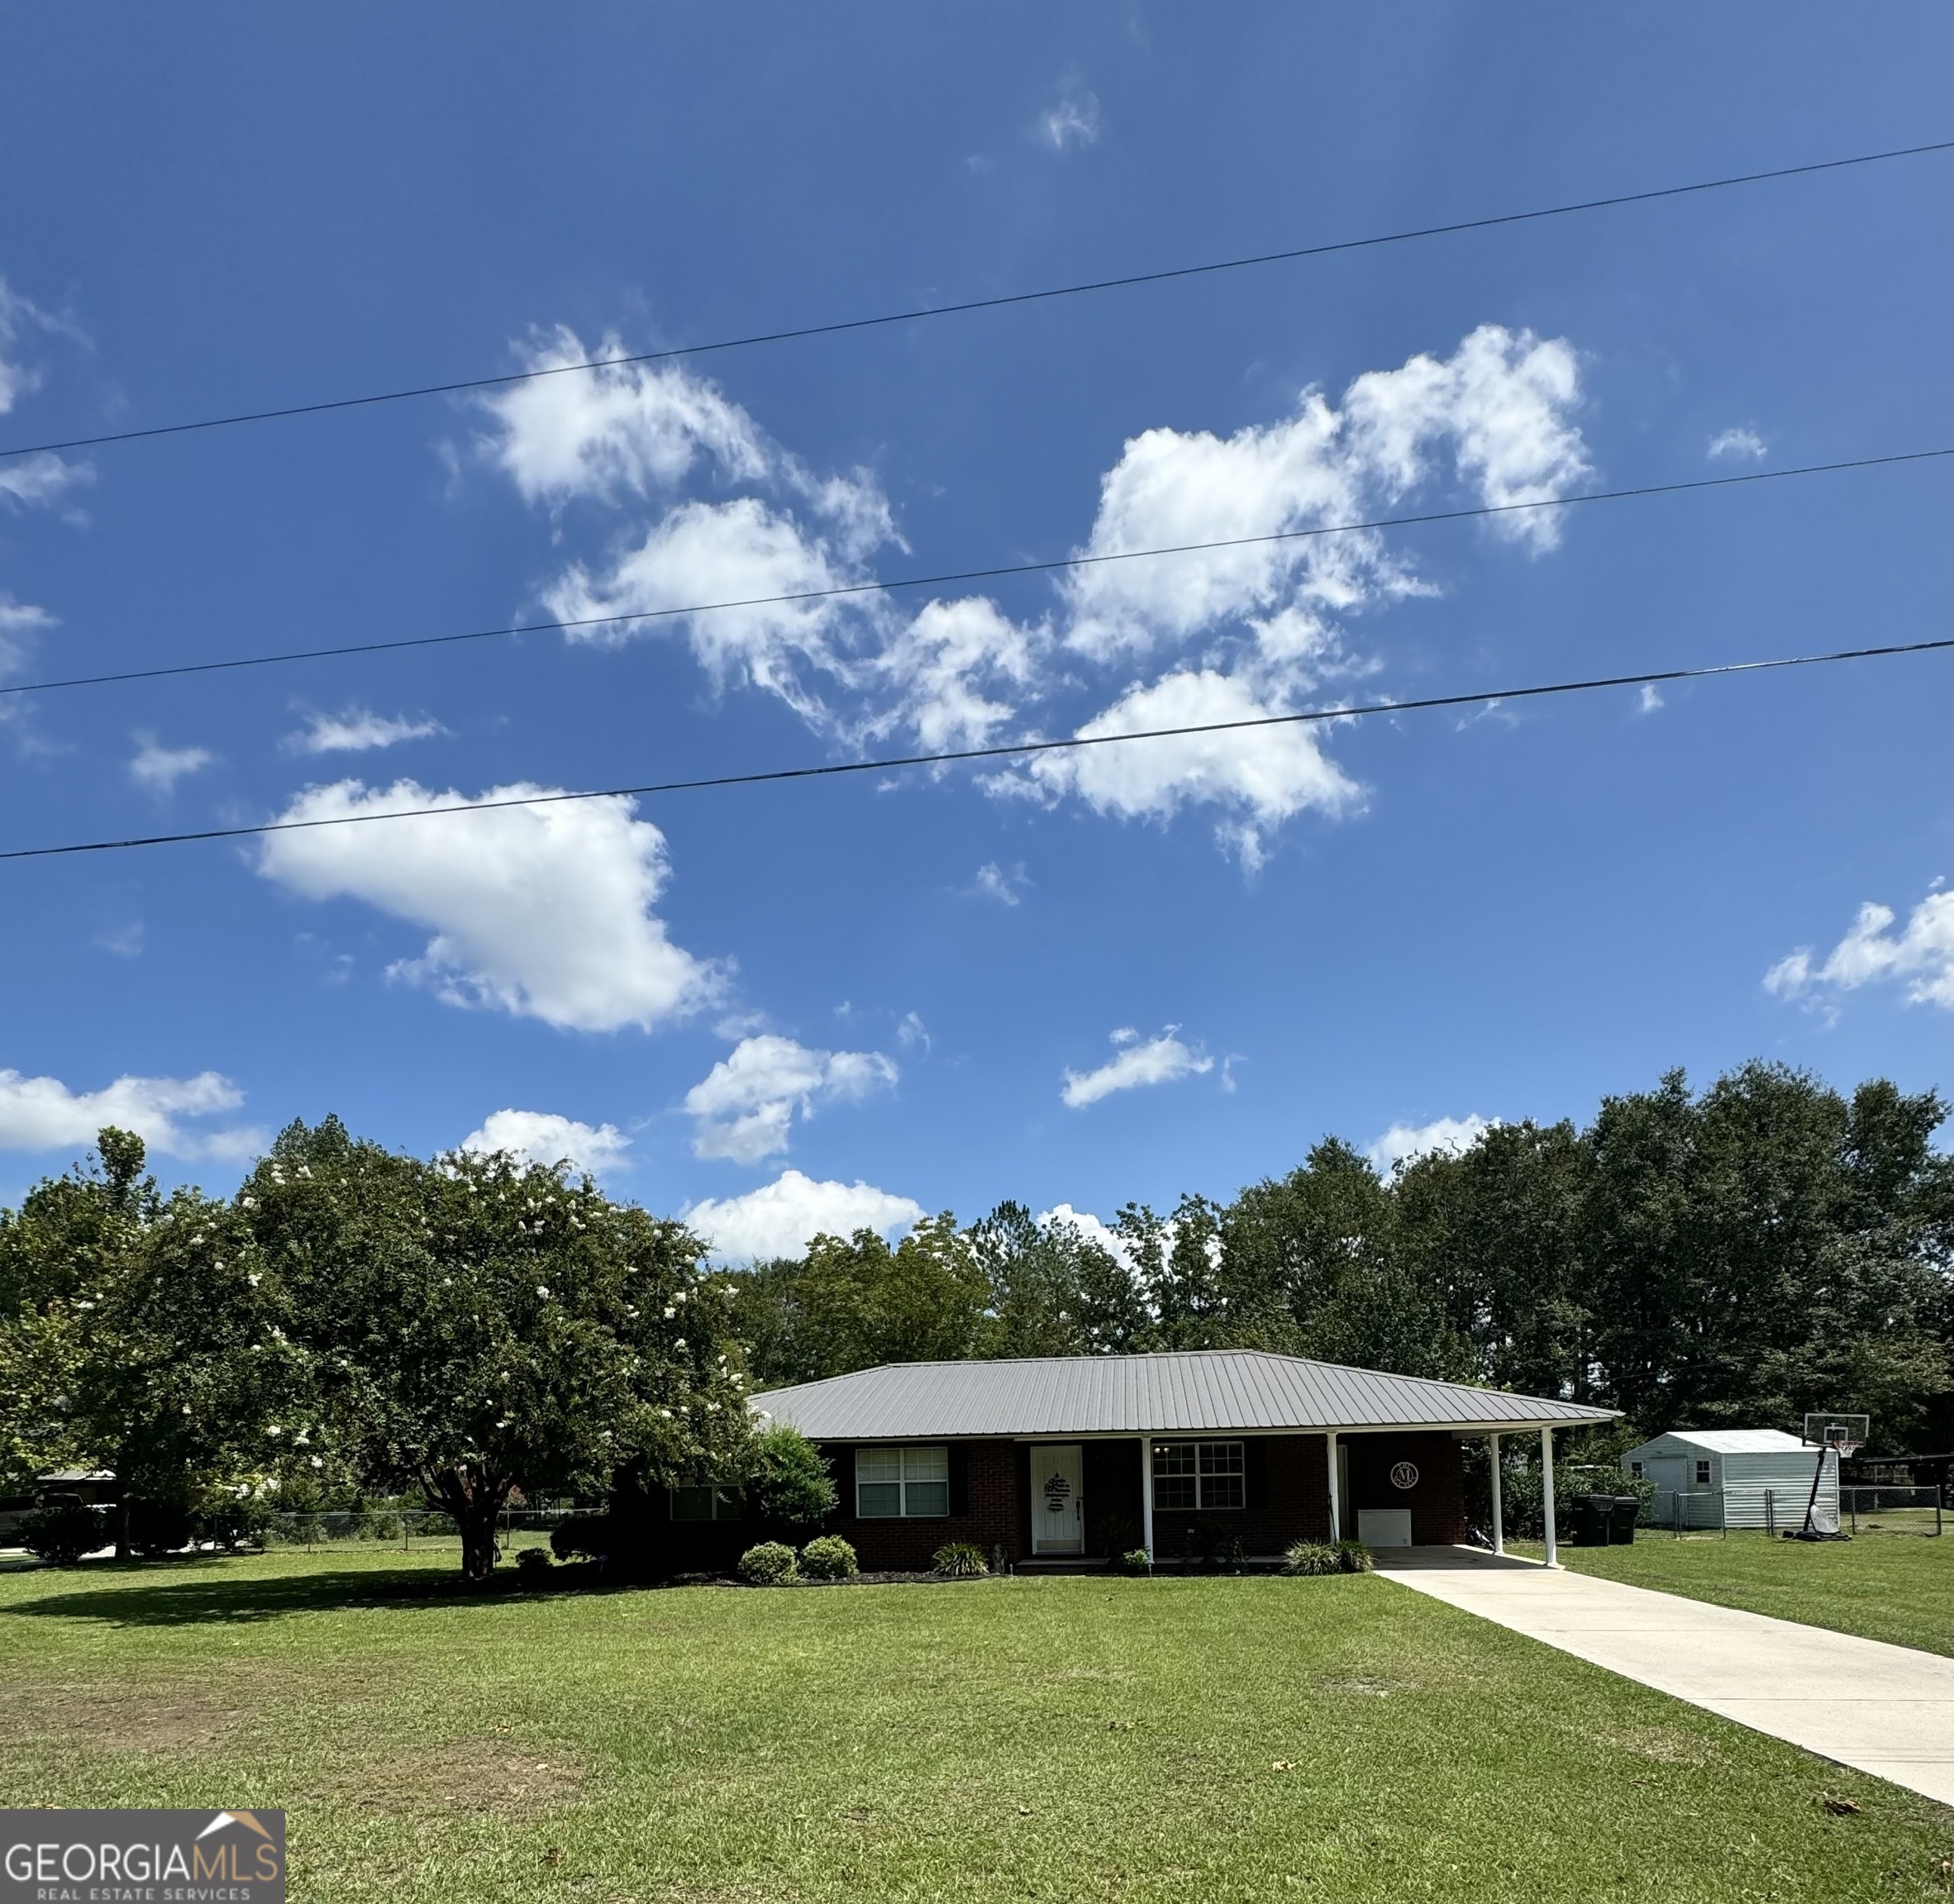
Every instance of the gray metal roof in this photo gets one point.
(1207, 1389)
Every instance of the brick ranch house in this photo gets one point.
(1067, 1460)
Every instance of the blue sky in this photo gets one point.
(1172, 966)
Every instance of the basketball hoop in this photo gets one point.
(1835, 1436)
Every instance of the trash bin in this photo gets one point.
(1621, 1520)
(1590, 1515)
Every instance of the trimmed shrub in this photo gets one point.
(157, 1527)
(1353, 1557)
(829, 1558)
(771, 1563)
(792, 1482)
(533, 1564)
(61, 1535)
(960, 1560)
(1136, 1560)
(1311, 1557)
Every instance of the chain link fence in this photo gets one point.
(406, 1528)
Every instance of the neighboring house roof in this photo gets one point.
(1731, 1441)
(1198, 1392)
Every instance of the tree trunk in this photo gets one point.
(474, 1499)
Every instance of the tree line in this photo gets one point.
(1731, 1257)
(466, 1327)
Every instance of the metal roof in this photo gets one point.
(1733, 1441)
(1208, 1389)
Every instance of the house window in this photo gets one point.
(902, 1483)
(1198, 1476)
(1635, 1468)
(705, 1503)
(1703, 1473)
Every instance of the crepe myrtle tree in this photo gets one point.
(479, 1324)
(147, 1337)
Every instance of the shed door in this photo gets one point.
(1058, 1500)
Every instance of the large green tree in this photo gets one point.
(478, 1325)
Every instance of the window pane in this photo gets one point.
(926, 1465)
(1221, 1458)
(692, 1503)
(878, 1463)
(1175, 1491)
(726, 1503)
(878, 1499)
(1172, 1458)
(1222, 1491)
(927, 1500)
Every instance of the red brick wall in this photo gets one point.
(1437, 1502)
(992, 1493)
(1295, 1505)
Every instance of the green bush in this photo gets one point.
(1353, 1557)
(588, 1534)
(771, 1563)
(960, 1560)
(61, 1535)
(157, 1527)
(1136, 1560)
(829, 1558)
(1311, 1558)
(791, 1481)
(533, 1564)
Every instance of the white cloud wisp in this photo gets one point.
(43, 1114)
(1920, 957)
(157, 768)
(1403, 1142)
(1136, 1062)
(357, 731)
(540, 911)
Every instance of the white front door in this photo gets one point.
(1058, 1500)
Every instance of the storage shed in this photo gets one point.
(1720, 1477)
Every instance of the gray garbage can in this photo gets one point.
(1621, 1520)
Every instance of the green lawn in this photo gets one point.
(1200, 1740)
(1892, 1587)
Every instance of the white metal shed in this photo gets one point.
(1720, 1477)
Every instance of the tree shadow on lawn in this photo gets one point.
(207, 1601)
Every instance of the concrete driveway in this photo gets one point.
(1886, 1709)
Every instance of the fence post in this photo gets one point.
(1770, 1514)
(1939, 1496)
(1853, 1509)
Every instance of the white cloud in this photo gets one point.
(940, 666)
(356, 731)
(1649, 700)
(994, 882)
(1075, 120)
(912, 1032)
(1402, 1142)
(43, 1114)
(1499, 411)
(542, 1137)
(1090, 1227)
(28, 480)
(1739, 444)
(123, 941)
(779, 1218)
(1920, 958)
(157, 768)
(1136, 1062)
(743, 1109)
(20, 624)
(541, 911)
(1264, 775)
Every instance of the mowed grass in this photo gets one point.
(1200, 1739)
(1899, 1587)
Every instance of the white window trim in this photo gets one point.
(1202, 1505)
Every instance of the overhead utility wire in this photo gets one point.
(1009, 749)
(1128, 282)
(993, 574)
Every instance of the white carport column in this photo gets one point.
(1146, 1494)
(1498, 1510)
(1547, 1492)
(1335, 1504)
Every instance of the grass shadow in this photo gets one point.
(217, 1602)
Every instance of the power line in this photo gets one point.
(1008, 751)
(993, 574)
(1128, 282)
